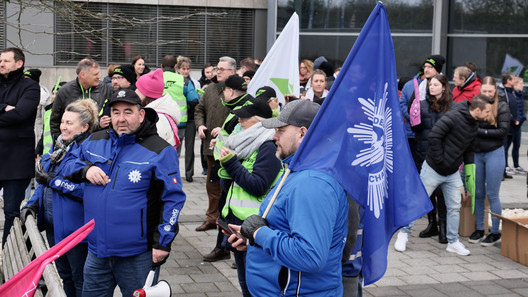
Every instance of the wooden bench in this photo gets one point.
(23, 245)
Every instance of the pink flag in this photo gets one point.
(24, 283)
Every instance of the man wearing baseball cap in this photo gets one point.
(297, 249)
(133, 191)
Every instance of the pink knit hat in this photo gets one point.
(151, 84)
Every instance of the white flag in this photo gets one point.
(512, 65)
(280, 68)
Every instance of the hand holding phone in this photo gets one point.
(223, 225)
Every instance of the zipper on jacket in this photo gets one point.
(141, 223)
(115, 178)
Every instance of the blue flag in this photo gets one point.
(358, 138)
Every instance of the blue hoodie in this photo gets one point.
(300, 252)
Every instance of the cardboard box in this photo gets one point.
(467, 224)
(514, 238)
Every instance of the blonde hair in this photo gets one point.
(87, 110)
(183, 61)
(309, 66)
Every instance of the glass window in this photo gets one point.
(80, 34)
(183, 35)
(488, 16)
(229, 34)
(129, 39)
(410, 52)
(115, 33)
(487, 53)
(350, 16)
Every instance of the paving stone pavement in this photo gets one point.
(425, 269)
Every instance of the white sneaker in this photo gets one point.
(510, 170)
(401, 241)
(519, 170)
(457, 247)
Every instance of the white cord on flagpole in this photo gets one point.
(276, 193)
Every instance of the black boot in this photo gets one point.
(432, 228)
(442, 238)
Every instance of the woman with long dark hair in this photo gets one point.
(437, 102)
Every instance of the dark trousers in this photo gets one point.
(70, 265)
(190, 136)
(214, 191)
(513, 137)
(14, 192)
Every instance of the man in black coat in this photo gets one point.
(19, 99)
(86, 86)
(451, 142)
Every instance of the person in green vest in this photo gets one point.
(185, 95)
(249, 168)
(46, 139)
(235, 96)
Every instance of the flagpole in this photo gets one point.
(276, 193)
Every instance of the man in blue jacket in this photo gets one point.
(133, 191)
(297, 249)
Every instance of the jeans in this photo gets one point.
(515, 137)
(488, 178)
(101, 275)
(240, 259)
(451, 186)
(14, 191)
(70, 265)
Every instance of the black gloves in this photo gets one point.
(41, 176)
(28, 210)
(250, 225)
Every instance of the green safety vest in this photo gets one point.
(223, 135)
(239, 201)
(47, 139)
(174, 84)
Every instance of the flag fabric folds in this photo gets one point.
(358, 138)
(24, 283)
(280, 68)
(512, 65)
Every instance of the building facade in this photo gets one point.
(57, 34)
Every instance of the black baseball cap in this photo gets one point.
(265, 93)
(259, 108)
(236, 82)
(125, 95)
(298, 113)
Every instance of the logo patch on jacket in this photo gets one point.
(134, 176)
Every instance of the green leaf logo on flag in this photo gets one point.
(283, 84)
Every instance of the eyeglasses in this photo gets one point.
(222, 69)
(117, 77)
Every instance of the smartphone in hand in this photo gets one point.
(223, 225)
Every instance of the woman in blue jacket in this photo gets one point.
(249, 168)
(58, 202)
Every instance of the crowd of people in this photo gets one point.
(460, 140)
(108, 150)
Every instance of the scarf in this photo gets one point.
(247, 141)
(60, 149)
